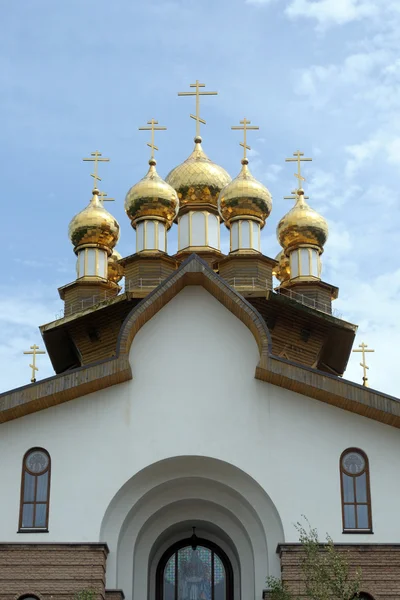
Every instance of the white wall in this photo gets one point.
(193, 393)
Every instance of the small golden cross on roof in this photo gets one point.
(244, 126)
(197, 93)
(34, 351)
(103, 196)
(299, 159)
(96, 158)
(152, 128)
(363, 349)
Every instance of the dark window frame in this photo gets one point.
(183, 544)
(25, 470)
(355, 503)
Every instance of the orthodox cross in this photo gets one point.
(152, 128)
(104, 198)
(295, 196)
(244, 126)
(299, 159)
(197, 93)
(34, 351)
(363, 349)
(96, 158)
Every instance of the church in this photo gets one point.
(199, 405)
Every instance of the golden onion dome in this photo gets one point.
(282, 269)
(198, 180)
(115, 271)
(94, 226)
(152, 197)
(245, 197)
(302, 225)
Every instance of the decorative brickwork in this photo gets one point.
(53, 571)
(380, 565)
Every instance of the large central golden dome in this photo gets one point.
(198, 180)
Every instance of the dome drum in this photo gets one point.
(245, 235)
(305, 263)
(198, 229)
(151, 235)
(92, 263)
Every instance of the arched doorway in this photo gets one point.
(194, 569)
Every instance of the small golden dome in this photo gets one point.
(245, 197)
(282, 269)
(94, 226)
(115, 271)
(302, 225)
(198, 180)
(152, 197)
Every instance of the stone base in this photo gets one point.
(144, 271)
(85, 293)
(52, 571)
(380, 565)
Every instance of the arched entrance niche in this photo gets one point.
(159, 506)
(194, 569)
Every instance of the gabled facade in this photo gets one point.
(196, 414)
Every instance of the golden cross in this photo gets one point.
(295, 196)
(299, 159)
(96, 159)
(363, 364)
(152, 128)
(244, 126)
(103, 196)
(197, 93)
(34, 351)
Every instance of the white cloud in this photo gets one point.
(322, 83)
(332, 12)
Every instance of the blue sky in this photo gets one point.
(319, 75)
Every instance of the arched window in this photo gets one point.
(356, 495)
(28, 597)
(35, 491)
(199, 571)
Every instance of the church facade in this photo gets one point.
(196, 413)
